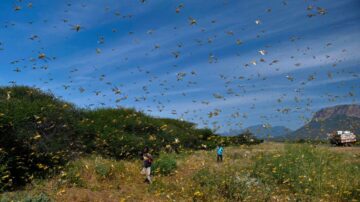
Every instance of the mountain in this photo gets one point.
(262, 132)
(331, 112)
(268, 132)
(232, 132)
(340, 117)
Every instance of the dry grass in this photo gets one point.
(198, 177)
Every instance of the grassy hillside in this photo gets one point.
(40, 134)
(266, 172)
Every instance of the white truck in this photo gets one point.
(342, 138)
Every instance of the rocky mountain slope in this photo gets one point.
(340, 117)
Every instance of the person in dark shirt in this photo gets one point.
(147, 161)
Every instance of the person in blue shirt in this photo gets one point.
(219, 151)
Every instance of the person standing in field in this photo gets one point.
(176, 145)
(219, 151)
(147, 161)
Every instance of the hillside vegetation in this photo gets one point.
(265, 172)
(40, 134)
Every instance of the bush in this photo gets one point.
(72, 174)
(40, 133)
(5, 179)
(104, 169)
(165, 165)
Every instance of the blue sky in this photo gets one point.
(242, 63)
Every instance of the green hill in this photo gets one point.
(40, 134)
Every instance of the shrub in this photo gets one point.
(165, 165)
(5, 175)
(104, 169)
(72, 174)
(40, 133)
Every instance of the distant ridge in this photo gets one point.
(262, 131)
(340, 117)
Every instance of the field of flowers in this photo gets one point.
(269, 171)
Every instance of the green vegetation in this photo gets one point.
(265, 172)
(165, 165)
(232, 186)
(91, 153)
(71, 174)
(28, 198)
(310, 171)
(40, 134)
(91, 171)
(37, 198)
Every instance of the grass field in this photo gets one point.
(265, 172)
